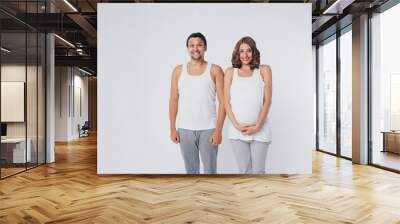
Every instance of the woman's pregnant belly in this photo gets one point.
(246, 110)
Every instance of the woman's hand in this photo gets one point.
(240, 127)
(175, 136)
(251, 129)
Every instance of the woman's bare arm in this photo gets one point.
(266, 74)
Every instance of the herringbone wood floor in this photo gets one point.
(70, 191)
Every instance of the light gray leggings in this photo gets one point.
(250, 156)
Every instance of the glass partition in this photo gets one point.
(22, 77)
(14, 153)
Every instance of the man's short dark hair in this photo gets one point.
(198, 35)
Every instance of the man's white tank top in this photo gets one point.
(196, 107)
(247, 97)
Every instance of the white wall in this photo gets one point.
(61, 103)
(68, 81)
(138, 46)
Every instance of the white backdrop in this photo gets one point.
(138, 47)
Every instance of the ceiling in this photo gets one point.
(76, 22)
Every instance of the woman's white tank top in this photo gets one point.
(196, 106)
(247, 97)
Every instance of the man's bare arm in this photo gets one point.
(173, 103)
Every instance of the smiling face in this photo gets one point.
(245, 54)
(196, 48)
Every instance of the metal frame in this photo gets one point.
(37, 91)
(369, 90)
(26, 89)
(338, 82)
(0, 93)
(45, 90)
(340, 31)
(317, 97)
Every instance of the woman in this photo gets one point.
(248, 91)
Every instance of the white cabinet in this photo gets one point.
(18, 149)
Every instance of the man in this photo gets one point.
(194, 87)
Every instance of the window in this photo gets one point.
(327, 96)
(385, 89)
(346, 93)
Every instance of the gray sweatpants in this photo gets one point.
(250, 156)
(193, 142)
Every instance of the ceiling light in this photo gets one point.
(70, 5)
(64, 40)
(5, 50)
(84, 71)
(331, 7)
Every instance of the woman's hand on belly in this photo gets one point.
(241, 127)
(250, 129)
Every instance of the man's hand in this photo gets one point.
(175, 136)
(216, 138)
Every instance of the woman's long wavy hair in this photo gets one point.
(255, 61)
